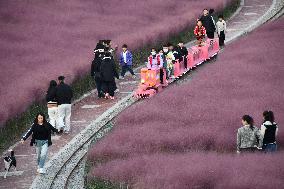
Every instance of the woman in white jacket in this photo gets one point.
(221, 29)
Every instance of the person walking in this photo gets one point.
(269, 130)
(41, 138)
(96, 68)
(108, 74)
(125, 60)
(249, 138)
(64, 95)
(52, 104)
(208, 23)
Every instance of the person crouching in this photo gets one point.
(108, 74)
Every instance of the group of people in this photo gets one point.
(206, 25)
(104, 72)
(58, 97)
(251, 138)
(103, 68)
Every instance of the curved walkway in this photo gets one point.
(89, 108)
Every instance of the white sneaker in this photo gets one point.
(122, 78)
(116, 91)
(133, 76)
(42, 171)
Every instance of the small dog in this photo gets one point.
(10, 161)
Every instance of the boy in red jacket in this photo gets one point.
(199, 32)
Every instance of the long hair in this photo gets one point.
(52, 84)
(249, 120)
(44, 119)
(268, 116)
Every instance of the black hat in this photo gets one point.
(61, 78)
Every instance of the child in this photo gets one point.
(170, 59)
(154, 60)
(199, 32)
(125, 60)
(221, 29)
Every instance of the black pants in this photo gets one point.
(109, 87)
(221, 38)
(210, 35)
(162, 75)
(125, 68)
(99, 87)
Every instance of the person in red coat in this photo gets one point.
(199, 32)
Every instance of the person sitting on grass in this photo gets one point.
(125, 61)
(249, 138)
(199, 32)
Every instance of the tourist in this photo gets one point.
(154, 60)
(108, 74)
(221, 30)
(183, 53)
(41, 138)
(52, 104)
(96, 68)
(269, 131)
(249, 138)
(125, 60)
(199, 32)
(64, 95)
(170, 59)
(208, 23)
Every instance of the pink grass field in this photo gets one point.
(43, 39)
(185, 137)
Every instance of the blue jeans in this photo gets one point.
(41, 150)
(270, 147)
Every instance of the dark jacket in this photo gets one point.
(208, 23)
(182, 51)
(51, 95)
(96, 67)
(64, 94)
(108, 69)
(34, 130)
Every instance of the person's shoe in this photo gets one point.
(116, 90)
(66, 132)
(133, 76)
(106, 95)
(42, 171)
(111, 97)
(121, 78)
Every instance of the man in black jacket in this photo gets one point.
(208, 23)
(96, 68)
(64, 94)
(183, 53)
(108, 74)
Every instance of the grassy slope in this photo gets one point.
(140, 56)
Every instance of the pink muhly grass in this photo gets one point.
(42, 40)
(173, 138)
(196, 170)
